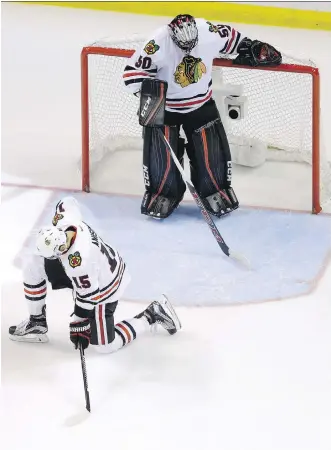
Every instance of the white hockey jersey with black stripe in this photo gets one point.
(97, 270)
(67, 212)
(189, 77)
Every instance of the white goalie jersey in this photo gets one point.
(189, 77)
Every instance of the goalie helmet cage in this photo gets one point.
(106, 50)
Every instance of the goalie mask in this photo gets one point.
(51, 242)
(184, 32)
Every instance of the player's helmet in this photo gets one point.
(184, 32)
(51, 242)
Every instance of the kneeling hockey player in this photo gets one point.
(182, 54)
(72, 255)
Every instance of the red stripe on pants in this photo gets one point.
(102, 330)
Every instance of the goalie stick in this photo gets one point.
(213, 228)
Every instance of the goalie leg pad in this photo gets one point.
(211, 158)
(211, 168)
(164, 185)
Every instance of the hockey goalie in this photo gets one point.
(182, 54)
(70, 254)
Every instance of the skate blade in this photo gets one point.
(38, 338)
(155, 217)
(170, 310)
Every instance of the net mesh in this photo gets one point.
(279, 109)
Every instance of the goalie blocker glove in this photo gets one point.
(256, 53)
(152, 102)
(80, 333)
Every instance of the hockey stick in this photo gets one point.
(87, 394)
(217, 235)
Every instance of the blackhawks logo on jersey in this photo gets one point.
(75, 260)
(151, 47)
(189, 71)
(212, 28)
(56, 218)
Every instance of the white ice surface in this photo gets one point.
(252, 377)
(242, 378)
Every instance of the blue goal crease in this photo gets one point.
(178, 256)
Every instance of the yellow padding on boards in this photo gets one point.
(218, 11)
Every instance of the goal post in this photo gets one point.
(283, 110)
(102, 51)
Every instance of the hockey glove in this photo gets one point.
(80, 333)
(152, 102)
(256, 53)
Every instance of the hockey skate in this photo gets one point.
(221, 203)
(33, 329)
(162, 313)
(161, 207)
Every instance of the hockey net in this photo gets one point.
(283, 112)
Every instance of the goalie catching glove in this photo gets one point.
(256, 53)
(80, 333)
